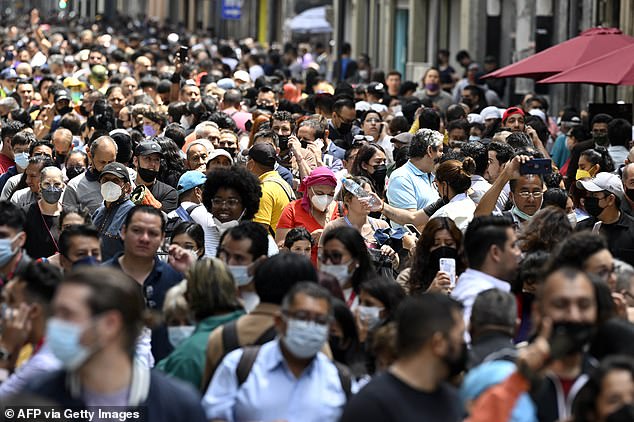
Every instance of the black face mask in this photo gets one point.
(442, 252)
(304, 144)
(231, 151)
(269, 108)
(83, 111)
(630, 194)
(283, 142)
(601, 139)
(592, 206)
(338, 351)
(380, 172)
(147, 174)
(345, 128)
(74, 171)
(624, 414)
(456, 361)
(569, 338)
(65, 110)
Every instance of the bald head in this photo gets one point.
(62, 141)
(628, 181)
(103, 151)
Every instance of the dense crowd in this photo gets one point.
(211, 230)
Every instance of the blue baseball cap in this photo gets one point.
(9, 73)
(190, 180)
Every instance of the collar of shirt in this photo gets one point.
(471, 274)
(459, 197)
(418, 172)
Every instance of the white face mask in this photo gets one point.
(179, 333)
(111, 191)
(240, 274)
(340, 272)
(304, 339)
(370, 314)
(184, 122)
(572, 217)
(321, 202)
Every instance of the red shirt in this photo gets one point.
(294, 215)
(5, 163)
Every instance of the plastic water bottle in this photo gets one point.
(358, 191)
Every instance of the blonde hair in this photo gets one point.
(175, 305)
(210, 289)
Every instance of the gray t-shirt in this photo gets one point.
(9, 187)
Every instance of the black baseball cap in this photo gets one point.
(116, 169)
(147, 148)
(264, 154)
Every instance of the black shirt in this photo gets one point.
(166, 195)
(41, 232)
(619, 236)
(386, 398)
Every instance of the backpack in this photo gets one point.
(182, 215)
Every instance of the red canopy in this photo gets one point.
(614, 68)
(590, 44)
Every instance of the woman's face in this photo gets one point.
(377, 159)
(617, 390)
(335, 253)
(443, 238)
(317, 190)
(226, 205)
(432, 77)
(586, 165)
(71, 219)
(372, 125)
(185, 241)
(116, 100)
(365, 299)
(302, 247)
(353, 204)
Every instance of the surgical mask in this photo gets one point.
(7, 91)
(624, 414)
(87, 260)
(572, 218)
(363, 74)
(592, 206)
(521, 214)
(321, 202)
(432, 87)
(240, 274)
(582, 174)
(76, 97)
(22, 159)
(111, 191)
(6, 250)
(51, 194)
(148, 130)
(184, 122)
(371, 315)
(340, 272)
(179, 333)
(147, 174)
(63, 338)
(74, 171)
(474, 138)
(304, 339)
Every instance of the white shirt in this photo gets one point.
(460, 209)
(479, 186)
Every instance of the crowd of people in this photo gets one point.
(210, 230)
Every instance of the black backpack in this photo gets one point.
(182, 214)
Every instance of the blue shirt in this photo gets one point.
(12, 171)
(109, 222)
(560, 153)
(271, 391)
(411, 188)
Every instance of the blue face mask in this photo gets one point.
(21, 159)
(63, 339)
(148, 130)
(89, 260)
(304, 338)
(179, 333)
(6, 250)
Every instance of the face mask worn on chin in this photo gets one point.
(432, 87)
(74, 171)
(240, 274)
(456, 361)
(340, 272)
(179, 333)
(6, 250)
(21, 159)
(370, 314)
(569, 338)
(111, 191)
(304, 339)
(52, 194)
(63, 339)
(624, 414)
(582, 174)
(147, 174)
(592, 206)
(521, 214)
(321, 202)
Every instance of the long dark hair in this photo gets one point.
(365, 154)
(355, 244)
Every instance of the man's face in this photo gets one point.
(25, 91)
(81, 247)
(393, 82)
(95, 58)
(601, 264)
(510, 256)
(17, 237)
(150, 161)
(305, 308)
(282, 127)
(129, 86)
(345, 115)
(143, 235)
(62, 105)
(116, 180)
(190, 93)
(214, 136)
(43, 150)
(228, 142)
(628, 178)
(306, 134)
(105, 154)
(266, 99)
(61, 143)
(142, 65)
(197, 157)
(528, 193)
(10, 84)
(235, 252)
(494, 167)
(458, 134)
(33, 177)
(566, 300)
(515, 122)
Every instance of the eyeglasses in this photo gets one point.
(525, 195)
(231, 202)
(335, 258)
(605, 273)
(308, 317)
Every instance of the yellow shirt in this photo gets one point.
(276, 194)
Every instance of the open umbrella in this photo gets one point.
(613, 68)
(590, 44)
(311, 21)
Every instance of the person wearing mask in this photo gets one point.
(267, 392)
(190, 237)
(314, 210)
(431, 350)
(42, 228)
(311, 132)
(212, 302)
(14, 176)
(190, 195)
(599, 132)
(28, 301)
(109, 217)
(370, 163)
(62, 140)
(147, 161)
(276, 193)
(411, 186)
(230, 196)
(378, 301)
(603, 203)
(85, 190)
(433, 92)
(7, 155)
(627, 177)
(341, 125)
(79, 244)
(296, 158)
(13, 257)
(109, 305)
(491, 251)
(241, 248)
(31, 193)
(273, 279)
(266, 136)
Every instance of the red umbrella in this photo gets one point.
(589, 45)
(614, 68)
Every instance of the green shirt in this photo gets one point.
(187, 361)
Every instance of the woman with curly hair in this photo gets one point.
(441, 238)
(231, 195)
(548, 227)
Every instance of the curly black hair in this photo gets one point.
(239, 179)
